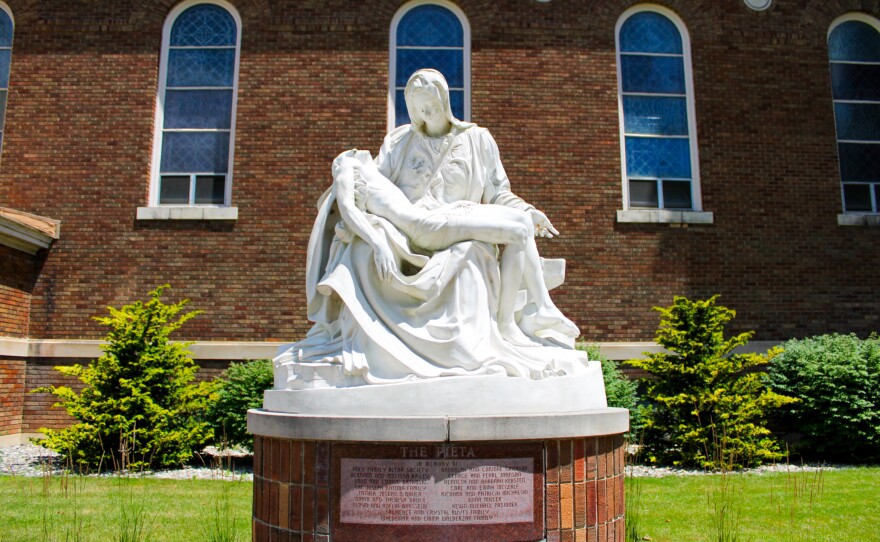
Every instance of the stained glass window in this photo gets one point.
(657, 138)
(429, 35)
(198, 100)
(854, 55)
(6, 29)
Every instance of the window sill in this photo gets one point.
(187, 213)
(856, 219)
(659, 216)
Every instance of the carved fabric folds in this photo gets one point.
(435, 316)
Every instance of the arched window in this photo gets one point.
(429, 34)
(657, 128)
(6, 30)
(195, 113)
(854, 55)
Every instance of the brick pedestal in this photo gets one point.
(577, 484)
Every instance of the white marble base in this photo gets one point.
(452, 396)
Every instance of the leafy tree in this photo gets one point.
(139, 407)
(837, 379)
(708, 407)
(239, 389)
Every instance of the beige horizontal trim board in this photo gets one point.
(662, 216)
(187, 213)
(858, 219)
(18, 438)
(242, 350)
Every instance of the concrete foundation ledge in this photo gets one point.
(441, 428)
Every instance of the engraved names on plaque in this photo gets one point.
(437, 485)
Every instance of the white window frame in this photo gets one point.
(392, 55)
(694, 215)
(8, 11)
(851, 218)
(166, 211)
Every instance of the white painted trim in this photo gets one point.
(159, 119)
(858, 219)
(849, 218)
(187, 213)
(21, 238)
(392, 54)
(696, 192)
(662, 216)
(245, 350)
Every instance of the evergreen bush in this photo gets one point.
(837, 379)
(139, 407)
(707, 407)
(620, 391)
(239, 389)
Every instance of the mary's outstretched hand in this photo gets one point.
(543, 227)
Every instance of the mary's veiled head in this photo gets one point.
(431, 83)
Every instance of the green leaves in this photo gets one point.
(708, 406)
(137, 398)
(837, 379)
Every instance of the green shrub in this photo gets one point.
(620, 391)
(138, 407)
(239, 388)
(708, 407)
(837, 379)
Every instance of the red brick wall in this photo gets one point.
(17, 277)
(313, 81)
(12, 377)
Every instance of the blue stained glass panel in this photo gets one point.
(855, 82)
(448, 62)
(859, 162)
(658, 158)
(401, 115)
(201, 67)
(2, 108)
(456, 101)
(857, 121)
(655, 115)
(5, 61)
(198, 109)
(6, 29)
(650, 32)
(204, 25)
(854, 40)
(195, 152)
(652, 74)
(430, 25)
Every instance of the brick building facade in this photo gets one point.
(767, 227)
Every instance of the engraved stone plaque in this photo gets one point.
(459, 492)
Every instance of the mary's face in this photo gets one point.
(429, 108)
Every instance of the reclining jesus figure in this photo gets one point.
(360, 188)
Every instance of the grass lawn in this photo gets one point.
(85, 509)
(831, 506)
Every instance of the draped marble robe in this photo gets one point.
(436, 315)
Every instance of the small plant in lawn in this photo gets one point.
(142, 380)
(702, 390)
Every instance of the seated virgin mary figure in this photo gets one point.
(405, 279)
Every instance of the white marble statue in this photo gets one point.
(423, 264)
